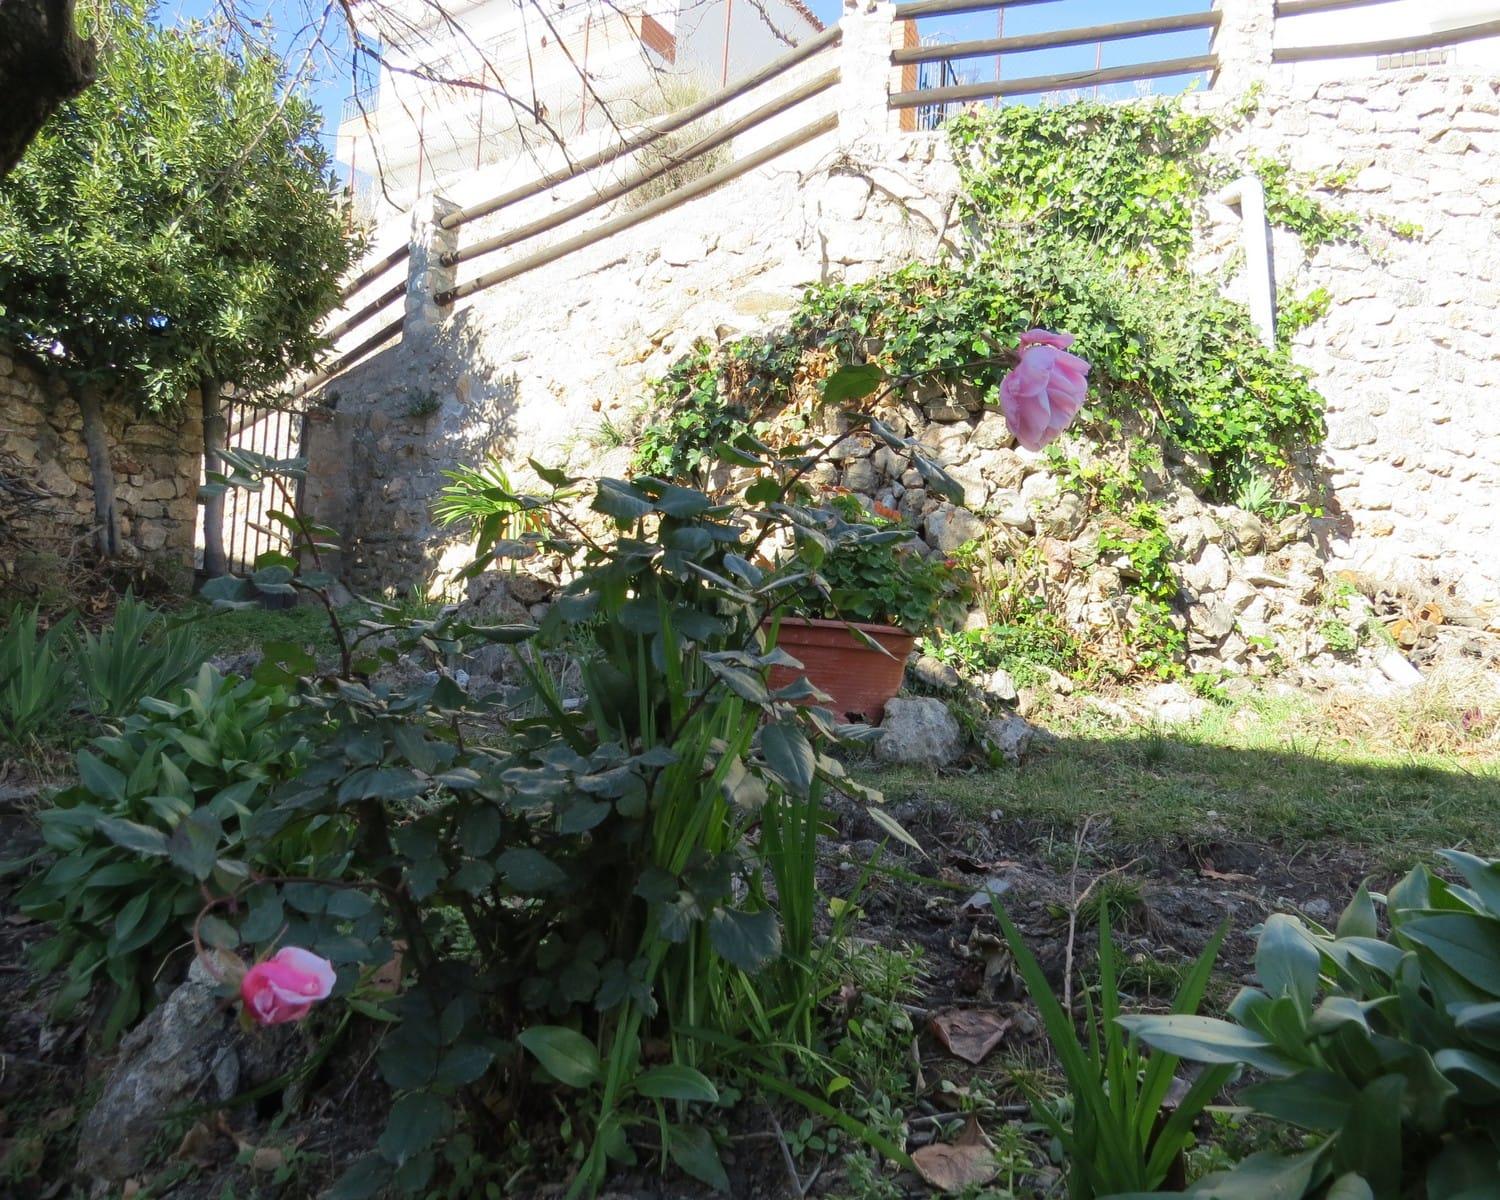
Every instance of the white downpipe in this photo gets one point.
(1247, 194)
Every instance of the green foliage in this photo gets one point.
(1122, 178)
(482, 498)
(1145, 554)
(1382, 1047)
(34, 677)
(1296, 313)
(690, 418)
(635, 867)
(1117, 1136)
(175, 221)
(139, 653)
(158, 817)
(1033, 637)
(1299, 211)
(877, 572)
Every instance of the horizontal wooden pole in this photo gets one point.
(348, 359)
(656, 129)
(1298, 8)
(395, 292)
(376, 270)
(949, 8)
(661, 204)
(1051, 83)
(1066, 37)
(702, 146)
(1417, 41)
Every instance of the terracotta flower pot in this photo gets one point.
(859, 679)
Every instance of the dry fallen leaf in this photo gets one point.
(267, 1158)
(387, 977)
(132, 1188)
(968, 1162)
(197, 1145)
(970, 1033)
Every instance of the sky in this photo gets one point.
(330, 77)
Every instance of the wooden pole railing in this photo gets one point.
(1051, 83)
(1299, 8)
(629, 184)
(660, 204)
(1399, 45)
(375, 270)
(652, 132)
(952, 8)
(1118, 31)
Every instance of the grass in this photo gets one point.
(227, 632)
(1275, 769)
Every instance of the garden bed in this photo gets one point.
(1007, 832)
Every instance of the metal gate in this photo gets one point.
(275, 433)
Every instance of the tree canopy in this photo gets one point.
(174, 223)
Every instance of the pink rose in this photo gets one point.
(286, 986)
(1044, 390)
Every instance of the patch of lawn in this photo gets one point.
(226, 632)
(1266, 773)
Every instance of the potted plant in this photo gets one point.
(864, 606)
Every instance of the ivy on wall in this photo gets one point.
(1082, 219)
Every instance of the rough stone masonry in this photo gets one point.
(554, 362)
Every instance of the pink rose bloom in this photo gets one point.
(1044, 391)
(286, 986)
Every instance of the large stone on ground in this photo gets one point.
(1171, 704)
(190, 1050)
(935, 674)
(919, 731)
(1008, 738)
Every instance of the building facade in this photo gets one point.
(509, 88)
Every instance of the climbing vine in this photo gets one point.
(1082, 219)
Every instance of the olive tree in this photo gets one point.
(172, 229)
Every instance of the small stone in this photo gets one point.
(919, 730)
(932, 673)
(1008, 738)
(1002, 686)
(1246, 529)
(948, 528)
(1395, 667)
(1171, 704)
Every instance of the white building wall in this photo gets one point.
(1398, 18)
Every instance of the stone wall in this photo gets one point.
(554, 363)
(156, 467)
(1408, 355)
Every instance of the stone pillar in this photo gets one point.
(426, 276)
(1243, 44)
(870, 32)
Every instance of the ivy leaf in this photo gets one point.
(361, 1181)
(854, 381)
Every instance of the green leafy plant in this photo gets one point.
(482, 498)
(34, 677)
(139, 653)
(1289, 206)
(632, 868)
(878, 572)
(156, 819)
(1115, 1132)
(1384, 1048)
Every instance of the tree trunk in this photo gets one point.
(215, 561)
(102, 472)
(43, 62)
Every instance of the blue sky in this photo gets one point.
(330, 76)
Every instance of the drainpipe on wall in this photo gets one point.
(1247, 194)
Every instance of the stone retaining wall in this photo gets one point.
(156, 467)
(1408, 355)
